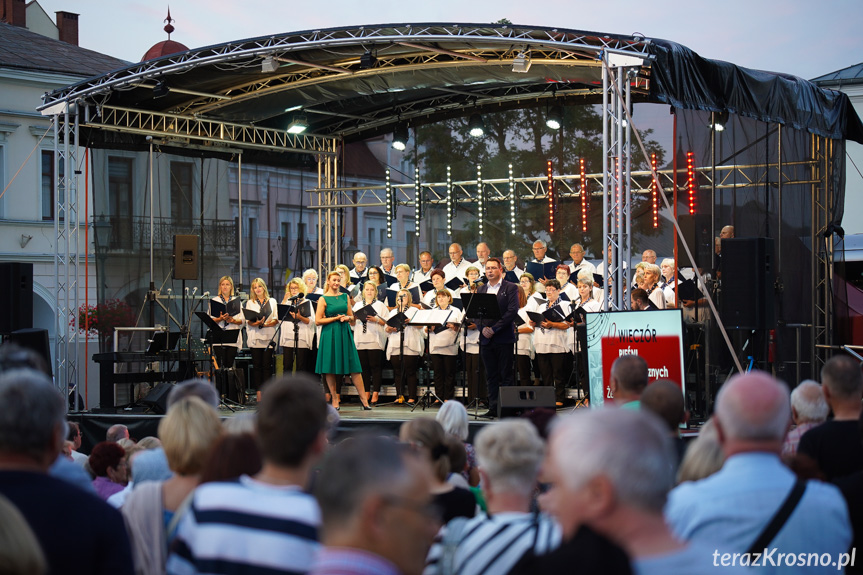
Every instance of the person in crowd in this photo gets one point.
(387, 261)
(117, 432)
(345, 280)
(667, 283)
(108, 462)
(75, 437)
(808, 409)
(640, 302)
(405, 345)
(261, 333)
(32, 430)
(552, 343)
(703, 456)
(510, 264)
(627, 381)
(359, 274)
(200, 388)
(648, 256)
(473, 366)
(576, 252)
(729, 510)
(232, 455)
(188, 432)
(376, 509)
(510, 453)
(423, 273)
(566, 286)
(524, 347)
(266, 522)
(540, 248)
(664, 398)
(370, 339)
(835, 445)
(337, 352)
(225, 353)
(443, 348)
(482, 254)
(310, 278)
(472, 274)
(298, 333)
(429, 438)
(457, 266)
(20, 553)
(453, 418)
(497, 339)
(146, 463)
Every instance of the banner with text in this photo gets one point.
(657, 336)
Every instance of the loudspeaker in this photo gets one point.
(696, 231)
(185, 257)
(517, 399)
(37, 340)
(747, 297)
(157, 400)
(16, 281)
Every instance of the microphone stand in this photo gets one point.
(399, 392)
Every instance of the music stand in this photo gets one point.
(163, 341)
(479, 306)
(217, 335)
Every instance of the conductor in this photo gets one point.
(496, 341)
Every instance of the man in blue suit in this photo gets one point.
(496, 341)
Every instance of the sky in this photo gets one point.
(806, 38)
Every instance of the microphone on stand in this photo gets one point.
(206, 294)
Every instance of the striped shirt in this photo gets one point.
(490, 545)
(246, 526)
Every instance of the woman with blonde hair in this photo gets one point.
(20, 553)
(261, 333)
(226, 352)
(153, 508)
(403, 275)
(298, 332)
(337, 352)
(428, 436)
(371, 339)
(405, 358)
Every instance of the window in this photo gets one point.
(253, 242)
(49, 185)
(181, 193)
(120, 203)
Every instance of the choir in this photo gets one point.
(384, 299)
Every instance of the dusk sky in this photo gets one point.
(805, 38)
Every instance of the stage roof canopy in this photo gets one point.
(358, 82)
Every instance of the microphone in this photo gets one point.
(206, 294)
(187, 291)
(194, 290)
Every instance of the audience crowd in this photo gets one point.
(774, 480)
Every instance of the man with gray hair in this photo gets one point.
(360, 272)
(835, 445)
(388, 262)
(117, 432)
(376, 509)
(627, 381)
(732, 509)
(576, 252)
(509, 455)
(457, 266)
(618, 486)
(32, 432)
(808, 409)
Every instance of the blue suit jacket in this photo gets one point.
(507, 300)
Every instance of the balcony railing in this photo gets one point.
(116, 234)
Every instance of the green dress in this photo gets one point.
(337, 352)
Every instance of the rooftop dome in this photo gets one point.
(165, 47)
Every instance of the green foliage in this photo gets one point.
(520, 137)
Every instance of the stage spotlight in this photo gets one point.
(400, 137)
(719, 120)
(161, 89)
(554, 118)
(298, 125)
(521, 63)
(269, 65)
(367, 60)
(475, 126)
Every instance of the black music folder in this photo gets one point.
(364, 313)
(542, 271)
(232, 308)
(218, 334)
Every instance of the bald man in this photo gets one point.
(729, 510)
(576, 252)
(457, 266)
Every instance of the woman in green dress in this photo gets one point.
(337, 352)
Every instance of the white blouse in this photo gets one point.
(230, 326)
(261, 336)
(305, 334)
(414, 337)
(375, 337)
(552, 340)
(446, 342)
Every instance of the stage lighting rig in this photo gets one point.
(475, 126)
